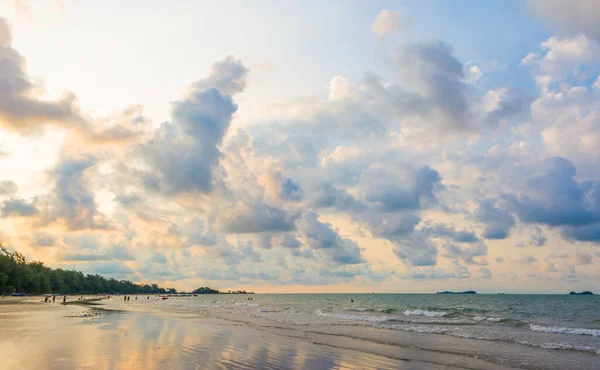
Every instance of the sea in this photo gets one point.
(519, 331)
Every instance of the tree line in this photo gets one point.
(19, 276)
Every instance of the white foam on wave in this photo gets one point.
(343, 316)
(248, 304)
(359, 309)
(469, 334)
(559, 330)
(424, 313)
(484, 318)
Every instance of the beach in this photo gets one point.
(229, 332)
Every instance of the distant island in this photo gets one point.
(582, 293)
(207, 290)
(465, 292)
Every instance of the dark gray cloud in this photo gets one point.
(511, 103)
(259, 217)
(537, 237)
(291, 191)
(586, 233)
(430, 69)
(553, 197)
(75, 200)
(392, 226)
(416, 249)
(326, 244)
(199, 123)
(18, 208)
(449, 232)
(417, 191)
(498, 222)
(327, 195)
(8, 187)
(290, 241)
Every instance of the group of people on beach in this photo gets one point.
(47, 299)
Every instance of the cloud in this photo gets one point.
(326, 244)
(420, 184)
(563, 57)
(416, 249)
(74, 199)
(291, 191)
(113, 254)
(257, 218)
(18, 208)
(582, 258)
(572, 17)
(445, 231)
(44, 240)
(553, 197)
(431, 70)
(468, 253)
(388, 21)
(537, 237)
(484, 273)
(8, 187)
(199, 122)
(528, 260)
(504, 104)
(497, 222)
(19, 109)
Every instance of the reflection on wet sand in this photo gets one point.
(64, 338)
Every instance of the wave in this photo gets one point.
(559, 330)
(368, 309)
(248, 304)
(485, 318)
(425, 313)
(489, 337)
(364, 318)
(360, 309)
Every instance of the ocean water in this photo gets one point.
(522, 331)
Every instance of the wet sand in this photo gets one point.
(114, 335)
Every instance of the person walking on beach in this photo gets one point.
(65, 299)
(53, 298)
(124, 298)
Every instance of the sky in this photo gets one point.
(339, 146)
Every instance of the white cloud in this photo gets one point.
(389, 21)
